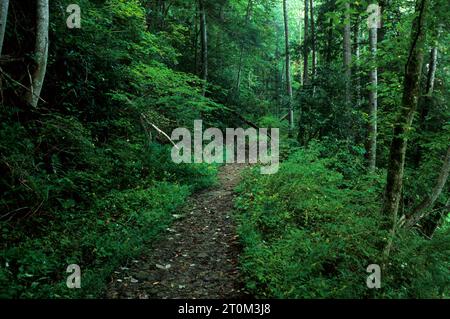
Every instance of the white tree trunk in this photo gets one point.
(306, 44)
(241, 50)
(347, 54)
(288, 66)
(373, 101)
(41, 52)
(431, 71)
(204, 41)
(3, 17)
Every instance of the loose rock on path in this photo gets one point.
(198, 255)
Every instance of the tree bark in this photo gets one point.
(195, 41)
(426, 101)
(306, 45)
(41, 53)
(357, 76)
(313, 39)
(241, 50)
(373, 101)
(3, 17)
(288, 66)
(347, 54)
(278, 74)
(204, 41)
(431, 71)
(422, 210)
(403, 123)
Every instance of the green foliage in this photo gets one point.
(116, 228)
(84, 179)
(308, 232)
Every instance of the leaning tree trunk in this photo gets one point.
(347, 54)
(423, 209)
(40, 53)
(204, 41)
(306, 45)
(402, 126)
(373, 100)
(3, 17)
(288, 66)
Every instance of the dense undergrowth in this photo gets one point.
(98, 232)
(86, 175)
(84, 178)
(311, 230)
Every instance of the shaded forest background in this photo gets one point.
(364, 119)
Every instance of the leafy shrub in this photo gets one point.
(98, 240)
(309, 233)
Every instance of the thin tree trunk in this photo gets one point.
(373, 101)
(278, 74)
(356, 66)
(204, 41)
(403, 124)
(241, 50)
(427, 204)
(288, 66)
(306, 45)
(313, 39)
(41, 53)
(329, 43)
(347, 54)
(3, 17)
(426, 100)
(195, 41)
(423, 209)
(431, 71)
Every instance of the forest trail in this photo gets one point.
(198, 255)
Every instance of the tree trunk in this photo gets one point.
(356, 66)
(403, 124)
(313, 39)
(427, 204)
(204, 41)
(426, 101)
(306, 45)
(3, 17)
(431, 71)
(329, 49)
(41, 53)
(278, 75)
(288, 66)
(347, 54)
(241, 50)
(195, 41)
(373, 101)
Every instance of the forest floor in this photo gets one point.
(198, 255)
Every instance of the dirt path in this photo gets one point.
(196, 258)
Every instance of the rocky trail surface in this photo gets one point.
(198, 255)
